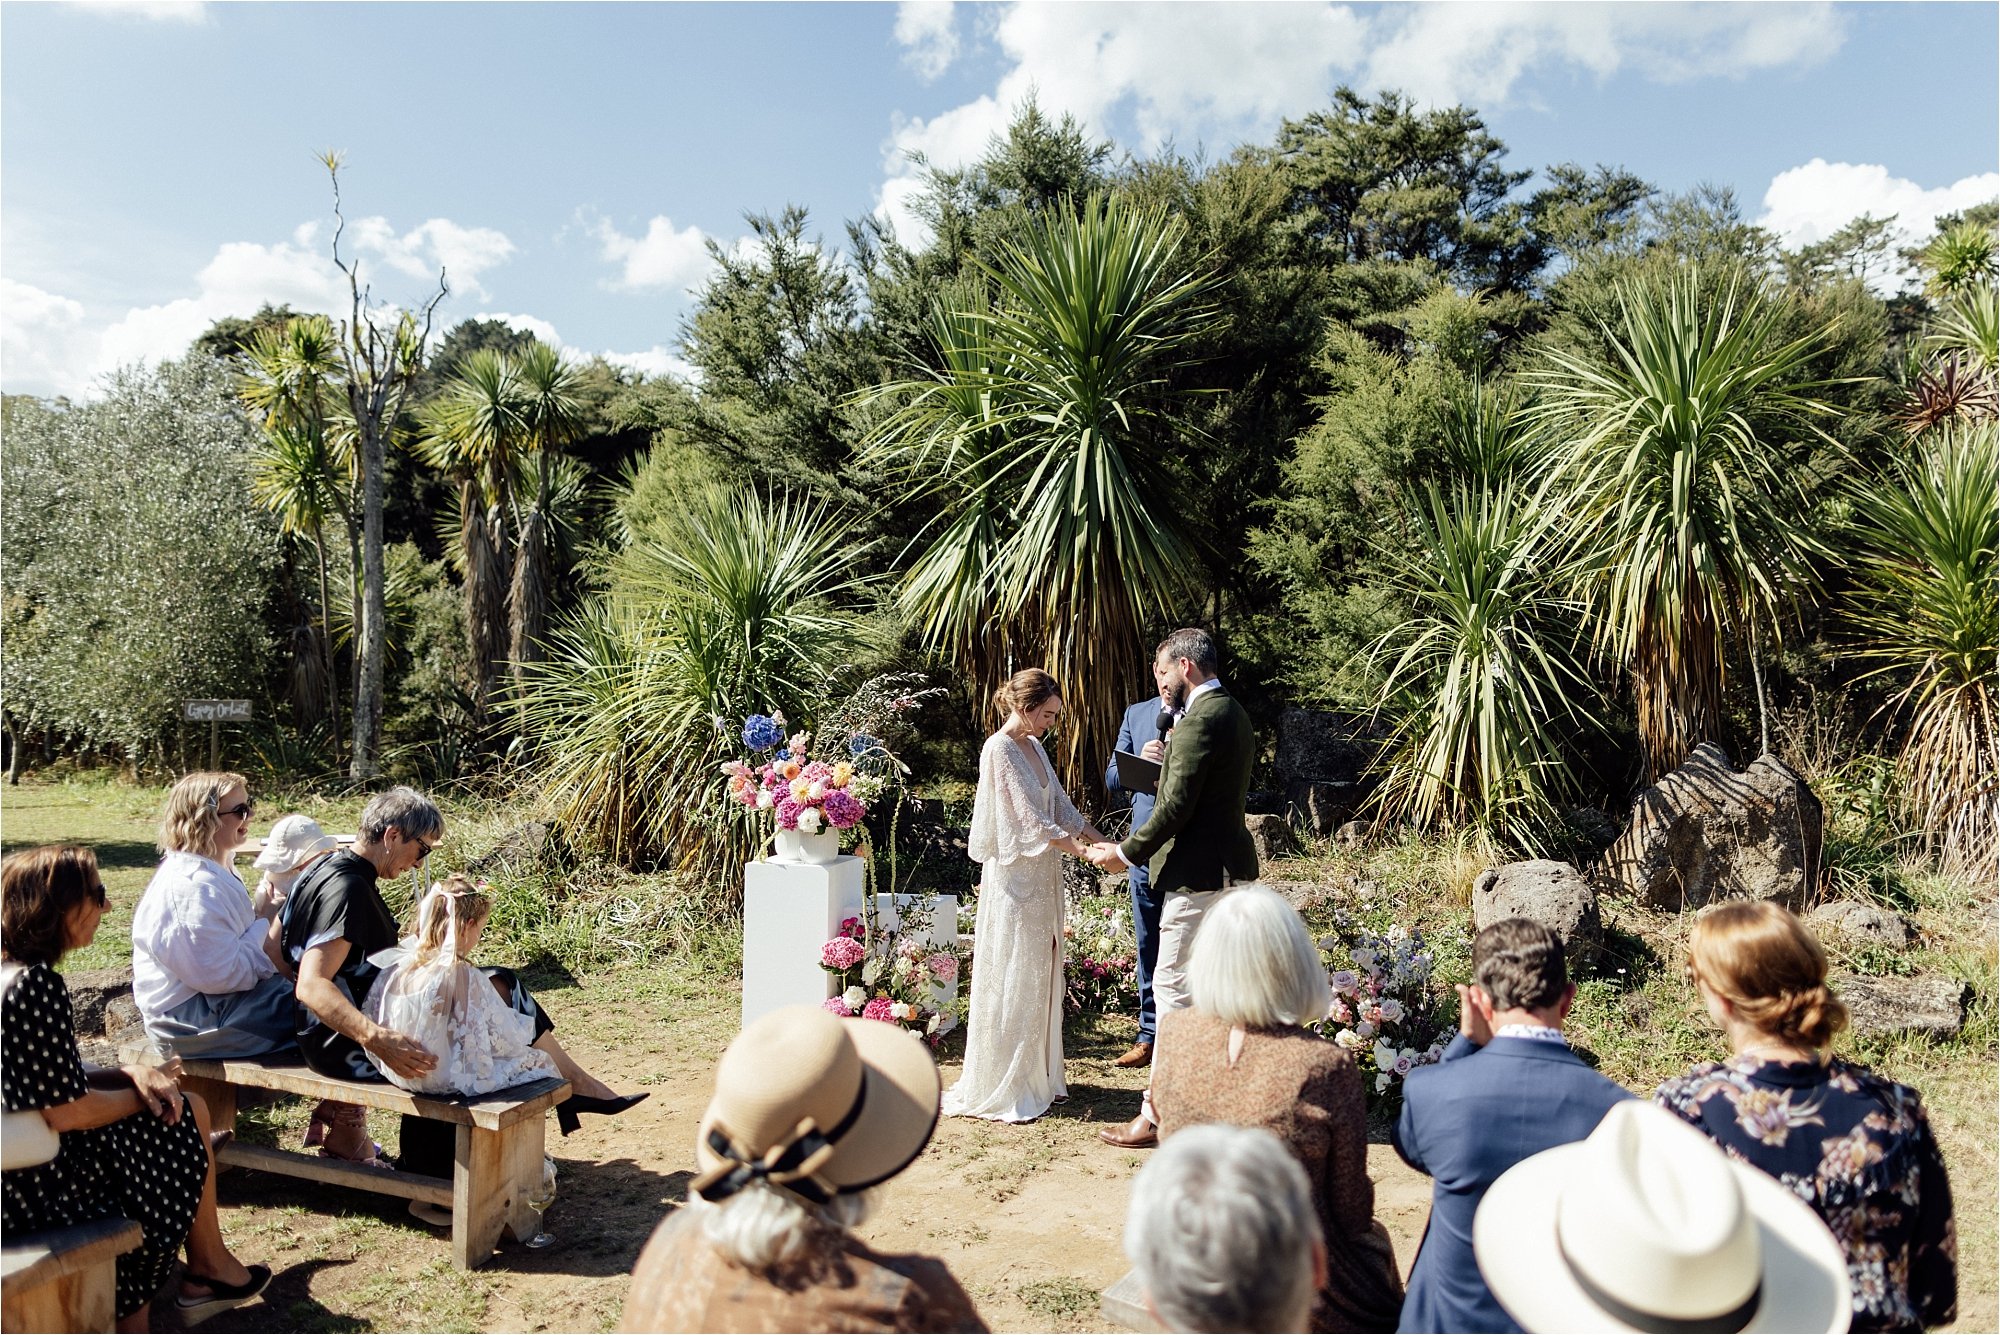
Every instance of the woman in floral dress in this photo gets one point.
(1854, 1146)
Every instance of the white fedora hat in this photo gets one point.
(292, 840)
(1647, 1225)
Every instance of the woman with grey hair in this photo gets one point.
(810, 1114)
(1222, 1233)
(334, 920)
(1242, 1055)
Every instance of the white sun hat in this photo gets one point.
(1648, 1226)
(291, 841)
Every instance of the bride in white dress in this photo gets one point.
(1022, 824)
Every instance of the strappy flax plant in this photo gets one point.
(632, 711)
(1683, 491)
(1043, 426)
(1926, 569)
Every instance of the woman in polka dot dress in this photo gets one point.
(132, 1143)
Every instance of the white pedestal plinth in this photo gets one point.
(943, 934)
(790, 910)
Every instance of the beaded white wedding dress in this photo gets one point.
(1013, 1039)
(481, 1043)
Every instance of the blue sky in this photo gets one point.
(567, 161)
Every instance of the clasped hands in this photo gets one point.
(1105, 857)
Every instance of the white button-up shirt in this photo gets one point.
(194, 931)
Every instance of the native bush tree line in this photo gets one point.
(1554, 475)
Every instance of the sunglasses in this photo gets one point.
(244, 809)
(103, 898)
(424, 850)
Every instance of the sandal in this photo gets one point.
(351, 1119)
(221, 1297)
(323, 1114)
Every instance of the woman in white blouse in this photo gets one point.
(1022, 824)
(201, 976)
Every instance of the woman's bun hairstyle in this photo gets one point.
(1763, 962)
(1028, 689)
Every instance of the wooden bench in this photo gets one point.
(64, 1278)
(497, 1161)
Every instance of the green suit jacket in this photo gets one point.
(1196, 834)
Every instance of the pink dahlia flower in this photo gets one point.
(842, 811)
(879, 1008)
(842, 953)
(837, 1006)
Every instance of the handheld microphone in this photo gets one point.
(1165, 723)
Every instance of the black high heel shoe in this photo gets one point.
(567, 1110)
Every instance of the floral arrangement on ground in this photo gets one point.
(896, 974)
(1101, 949)
(1384, 1010)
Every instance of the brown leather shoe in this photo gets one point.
(1136, 1055)
(1138, 1134)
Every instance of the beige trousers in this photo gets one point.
(1180, 918)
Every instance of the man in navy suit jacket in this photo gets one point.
(1507, 1088)
(1140, 730)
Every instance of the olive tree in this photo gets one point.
(137, 566)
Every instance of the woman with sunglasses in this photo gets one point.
(202, 978)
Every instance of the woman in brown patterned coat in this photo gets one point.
(1240, 1055)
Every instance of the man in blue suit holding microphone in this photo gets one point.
(1143, 733)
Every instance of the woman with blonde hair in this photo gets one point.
(1242, 1055)
(204, 982)
(1022, 824)
(1854, 1146)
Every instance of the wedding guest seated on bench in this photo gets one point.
(1222, 1233)
(202, 977)
(132, 1143)
(334, 920)
(810, 1114)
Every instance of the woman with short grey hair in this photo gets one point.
(1222, 1233)
(1242, 1055)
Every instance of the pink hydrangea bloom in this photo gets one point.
(837, 1006)
(842, 811)
(788, 813)
(944, 967)
(878, 1008)
(843, 952)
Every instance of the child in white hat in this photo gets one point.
(295, 843)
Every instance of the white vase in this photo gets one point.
(792, 846)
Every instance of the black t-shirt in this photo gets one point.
(340, 898)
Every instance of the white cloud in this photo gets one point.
(157, 11)
(41, 338)
(1191, 73)
(926, 27)
(1809, 203)
(527, 324)
(665, 256)
(655, 361)
(57, 346)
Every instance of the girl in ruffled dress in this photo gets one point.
(430, 992)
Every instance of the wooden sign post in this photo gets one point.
(215, 713)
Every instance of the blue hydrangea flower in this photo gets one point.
(860, 744)
(761, 732)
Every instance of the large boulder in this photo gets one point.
(1933, 1006)
(1863, 924)
(1272, 835)
(1553, 894)
(1707, 832)
(1322, 766)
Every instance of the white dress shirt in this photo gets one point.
(194, 931)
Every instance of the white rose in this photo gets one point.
(1385, 1056)
(764, 799)
(1381, 1083)
(1350, 1040)
(855, 999)
(809, 821)
(1392, 1010)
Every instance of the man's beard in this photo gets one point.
(1177, 695)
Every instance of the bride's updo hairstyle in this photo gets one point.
(1764, 963)
(463, 904)
(1026, 690)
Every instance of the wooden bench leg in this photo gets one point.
(491, 1178)
(84, 1301)
(220, 1096)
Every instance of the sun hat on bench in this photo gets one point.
(816, 1105)
(1647, 1225)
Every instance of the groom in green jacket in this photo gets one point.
(1195, 845)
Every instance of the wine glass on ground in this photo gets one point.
(540, 1197)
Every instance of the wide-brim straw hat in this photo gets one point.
(1647, 1225)
(291, 841)
(816, 1104)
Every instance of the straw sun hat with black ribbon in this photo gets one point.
(816, 1105)
(1646, 1225)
